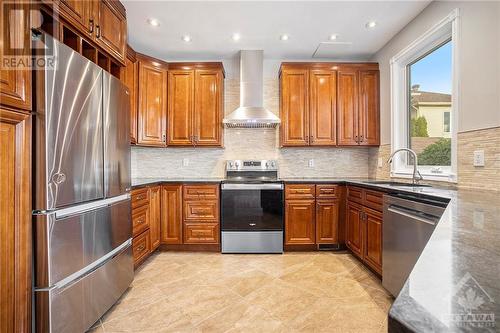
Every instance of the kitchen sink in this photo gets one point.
(392, 183)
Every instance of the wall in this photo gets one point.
(479, 92)
(250, 144)
(479, 64)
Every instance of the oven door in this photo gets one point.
(252, 207)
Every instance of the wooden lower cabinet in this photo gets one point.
(299, 222)
(372, 252)
(154, 216)
(354, 237)
(201, 233)
(327, 214)
(15, 221)
(140, 219)
(141, 247)
(171, 214)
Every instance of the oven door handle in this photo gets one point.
(252, 187)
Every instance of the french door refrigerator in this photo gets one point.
(83, 234)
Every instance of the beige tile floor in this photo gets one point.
(212, 292)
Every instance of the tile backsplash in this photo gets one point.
(249, 144)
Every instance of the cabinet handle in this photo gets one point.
(141, 221)
(142, 247)
(311, 139)
(360, 139)
(140, 197)
(91, 25)
(356, 139)
(164, 137)
(98, 31)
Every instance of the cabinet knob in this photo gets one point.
(98, 31)
(91, 25)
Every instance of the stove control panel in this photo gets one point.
(251, 165)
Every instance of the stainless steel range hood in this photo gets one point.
(251, 113)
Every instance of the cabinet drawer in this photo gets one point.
(140, 197)
(373, 199)
(141, 246)
(300, 191)
(140, 219)
(200, 211)
(327, 191)
(201, 233)
(201, 192)
(355, 194)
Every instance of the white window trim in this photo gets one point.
(445, 29)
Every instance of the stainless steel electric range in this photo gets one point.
(252, 207)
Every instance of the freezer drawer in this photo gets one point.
(75, 307)
(116, 102)
(67, 244)
(69, 130)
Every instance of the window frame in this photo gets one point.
(445, 30)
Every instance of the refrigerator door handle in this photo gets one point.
(75, 210)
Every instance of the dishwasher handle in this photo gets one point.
(414, 215)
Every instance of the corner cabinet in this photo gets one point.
(152, 102)
(329, 104)
(129, 77)
(195, 104)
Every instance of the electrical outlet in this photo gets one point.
(380, 162)
(479, 158)
(185, 162)
(311, 163)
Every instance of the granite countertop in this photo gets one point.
(138, 182)
(455, 284)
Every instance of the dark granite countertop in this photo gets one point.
(138, 182)
(455, 285)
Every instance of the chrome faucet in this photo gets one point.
(416, 174)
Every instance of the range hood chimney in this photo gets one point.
(251, 113)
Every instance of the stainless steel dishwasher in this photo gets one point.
(408, 224)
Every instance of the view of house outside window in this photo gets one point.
(429, 92)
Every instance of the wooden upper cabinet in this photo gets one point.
(154, 216)
(195, 104)
(152, 106)
(300, 222)
(347, 119)
(369, 111)
(208, 107)
(171, 214)
(354, 231)
(294, 107)
(180, 107)
(323, 107)
(327, 214)
(15, 222)
(15, 85)
(78, 13)
(111, 28)
(129, 76)
(372, 253)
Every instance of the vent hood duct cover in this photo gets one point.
(251, 113)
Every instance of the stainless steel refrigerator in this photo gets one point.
(83, 234)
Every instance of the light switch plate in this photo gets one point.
(380, 162)
(311, 163)
(185, 162)
(479, 158)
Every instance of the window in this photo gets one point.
(424, 108)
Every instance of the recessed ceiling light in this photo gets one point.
(333, 37)
(154, 22)
(186, 38)
(371, 24)
(284, 37)
(236, 36)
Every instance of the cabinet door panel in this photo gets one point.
(15, 222)
(171, 214)
(347, 107)
(129, 77)
(15, 85)
(141, 247)
(354, 232)
(208, 107)
(154, 216)
(327, 214)
(294, 108)
(369, 114)
(323, 106)
(372, 253)
(140, 219)
(180, 107)
(201, 233)
(201, 211)
(299, 222)
(111, 29)
(152, 104)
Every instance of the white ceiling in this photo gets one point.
(260, 24)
